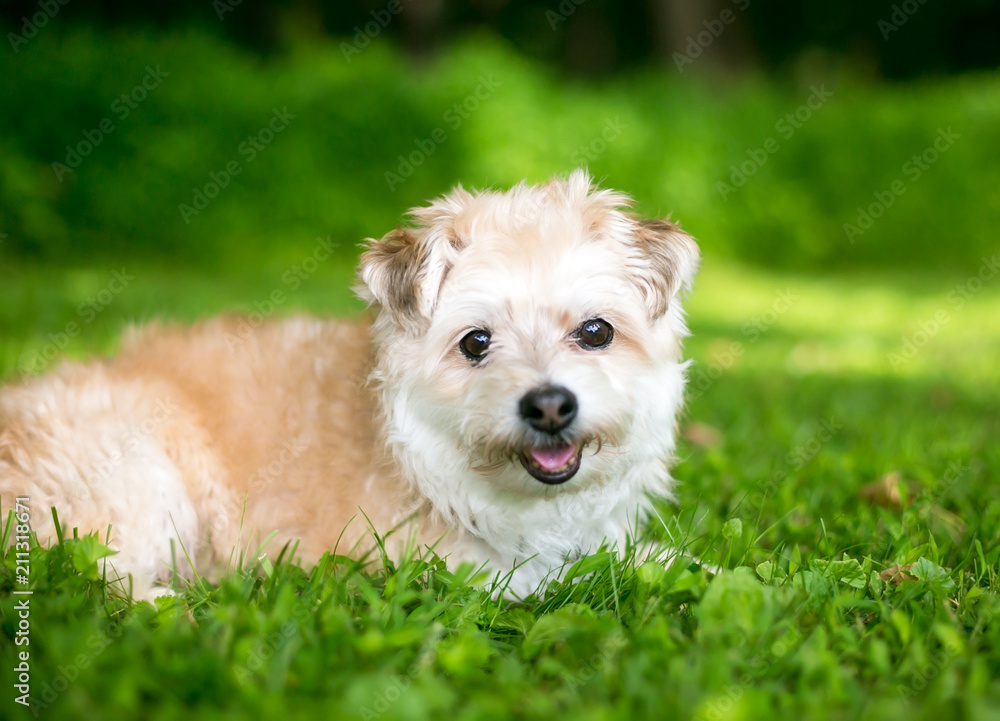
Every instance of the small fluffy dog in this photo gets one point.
(512, 403)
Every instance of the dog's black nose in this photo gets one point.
(549, 408)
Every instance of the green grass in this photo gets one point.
(799, 624)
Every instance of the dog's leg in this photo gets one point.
(91, 447)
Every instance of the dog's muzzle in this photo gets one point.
(550, 410)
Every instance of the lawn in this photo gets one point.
(838, 461)
(844, 485)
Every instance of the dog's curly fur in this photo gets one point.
(201, 434)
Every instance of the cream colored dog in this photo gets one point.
(512, 403)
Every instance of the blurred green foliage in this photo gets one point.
(667, 138)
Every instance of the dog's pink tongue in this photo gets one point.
(552, 458)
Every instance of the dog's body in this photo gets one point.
(513, 402)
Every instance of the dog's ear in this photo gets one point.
(403, 273)
(668, 262)
(389, 271)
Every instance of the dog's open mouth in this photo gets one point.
(552, 464)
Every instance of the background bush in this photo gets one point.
(358, 116)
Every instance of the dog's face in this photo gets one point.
(530, 338)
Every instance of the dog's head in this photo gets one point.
(530, 339)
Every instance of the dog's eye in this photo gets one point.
(475, 344)
(595, 334)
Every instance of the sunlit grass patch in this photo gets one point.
(903, 325)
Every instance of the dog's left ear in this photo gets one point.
(668, 262)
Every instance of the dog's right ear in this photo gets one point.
(402, 273)
(389, 271)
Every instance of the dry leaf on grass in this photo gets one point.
(700, 434)
(884, 491)
(897, 574)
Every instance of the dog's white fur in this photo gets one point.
(211, 434)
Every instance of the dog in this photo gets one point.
(511, 401)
